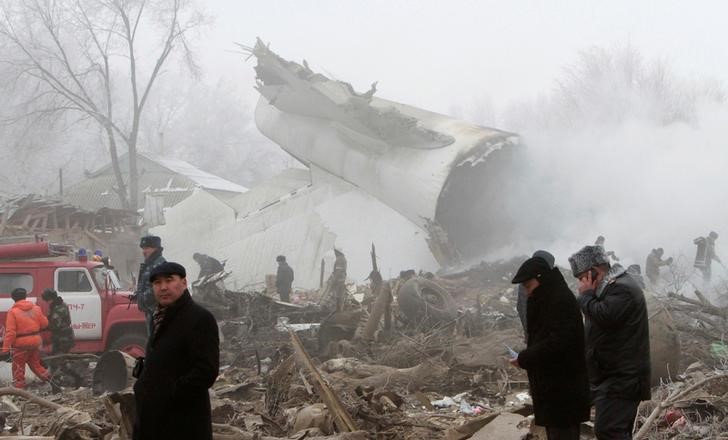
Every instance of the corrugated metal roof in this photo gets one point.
(170, 178)
(98, 192)
(201, 178)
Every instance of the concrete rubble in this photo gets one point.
(297, 370)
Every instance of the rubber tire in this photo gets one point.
(127, 340)
(416, 304)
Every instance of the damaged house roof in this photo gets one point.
(173, 179)
(33, 213)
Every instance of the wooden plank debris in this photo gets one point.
(342, 419)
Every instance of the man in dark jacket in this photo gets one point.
(653, 263)
(208, 265)
(554, 357)
(284, 279)
(522, 300)
(617, 341)
(152, 250)
(181, 364)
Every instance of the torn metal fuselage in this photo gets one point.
(446, 175)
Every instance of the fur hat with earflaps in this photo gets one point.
(586, 258)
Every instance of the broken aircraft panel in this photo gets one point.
(431, 168)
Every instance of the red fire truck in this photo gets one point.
(101, 313)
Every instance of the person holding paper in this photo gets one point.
(554, 356)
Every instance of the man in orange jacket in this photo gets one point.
(22, 335)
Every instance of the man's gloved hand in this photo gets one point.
(669, 261)
(5, 357)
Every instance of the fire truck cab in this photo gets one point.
(102, 315)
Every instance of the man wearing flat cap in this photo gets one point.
(152, 251)
(522, 299)
(182, 362)
(617, 341)
(554, 357)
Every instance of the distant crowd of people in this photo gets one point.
(705, 255)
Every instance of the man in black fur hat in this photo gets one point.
(152, 251)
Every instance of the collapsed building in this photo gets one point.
(428, 189)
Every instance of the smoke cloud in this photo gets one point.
(624, 148)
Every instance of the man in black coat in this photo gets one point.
(181, 364)
(617, 341)
(554, 357)
(284, 279)
(522, 299)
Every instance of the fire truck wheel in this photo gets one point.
(130, 343)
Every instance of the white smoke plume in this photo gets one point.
(625, 148)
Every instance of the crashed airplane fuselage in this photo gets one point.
(445, 175)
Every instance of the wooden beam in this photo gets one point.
(341, 416)
(99, 242)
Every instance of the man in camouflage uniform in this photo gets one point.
(59, 322)
(334, 295)
(338, 279)
(152, 250)
(62, 338)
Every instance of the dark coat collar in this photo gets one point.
(546, 284)
(172, 311)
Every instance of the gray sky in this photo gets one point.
(431, 55)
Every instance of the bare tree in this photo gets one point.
(679, 276)
(612, 85)
(175, 119)
(74, 56)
